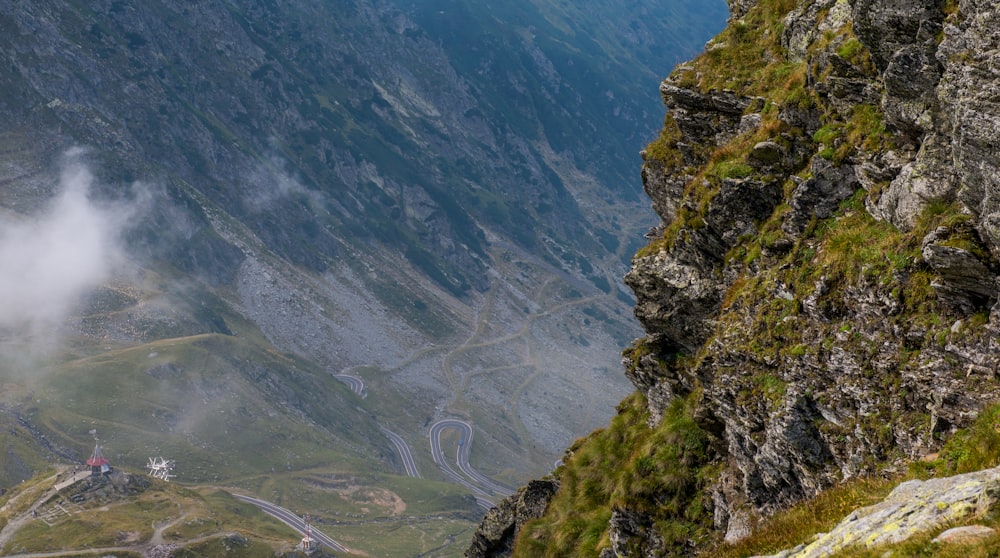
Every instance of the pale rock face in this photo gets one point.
(801, 28)
(928, 177)
(943, 95)
(968, 534)
(739, 8)
(970, 112)
(913, 507)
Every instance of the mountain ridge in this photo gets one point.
(327, 188)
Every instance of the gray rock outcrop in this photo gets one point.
(825, 277)
(813, 402)
(496, 534)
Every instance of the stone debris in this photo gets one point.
(161, 551)
(969, 534)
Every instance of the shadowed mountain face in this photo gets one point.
(437, 196)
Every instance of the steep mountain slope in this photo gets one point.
(820, 301)
(436, 197)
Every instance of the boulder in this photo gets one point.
(912, 508)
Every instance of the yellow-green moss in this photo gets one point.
(664, 148)
(738, 59)
(660, 472)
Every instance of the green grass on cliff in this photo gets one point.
(848, 250)
(739, 57)
(660, 472)
(800, 523)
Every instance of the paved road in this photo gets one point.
(404, 452)
(478, 483)
(492, 488)
(293, 521)
(482, 486)
(462, 456)
(356, 384)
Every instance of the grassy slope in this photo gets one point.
(233, 412)
(660, 471)
(194, 513)
(224, 407)
(379, 515)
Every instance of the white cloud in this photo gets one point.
(49, 261)
(270, 183)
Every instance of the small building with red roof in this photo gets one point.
(99, 465)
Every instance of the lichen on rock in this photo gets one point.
(913, 507)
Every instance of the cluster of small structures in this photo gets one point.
(160, 468)
(101, 482)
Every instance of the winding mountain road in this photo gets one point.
(404, 452)
(478, 483)
(356, 384)
(293, 521)
(483, 487)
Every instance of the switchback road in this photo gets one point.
(483, 486)
(293, 521)
(404, 452)
(356, 384)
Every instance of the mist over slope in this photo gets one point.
(51, 261)
(437, 197)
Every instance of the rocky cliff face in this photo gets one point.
(823, 288)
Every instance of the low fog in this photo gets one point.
(270, 183)
(49, 261)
